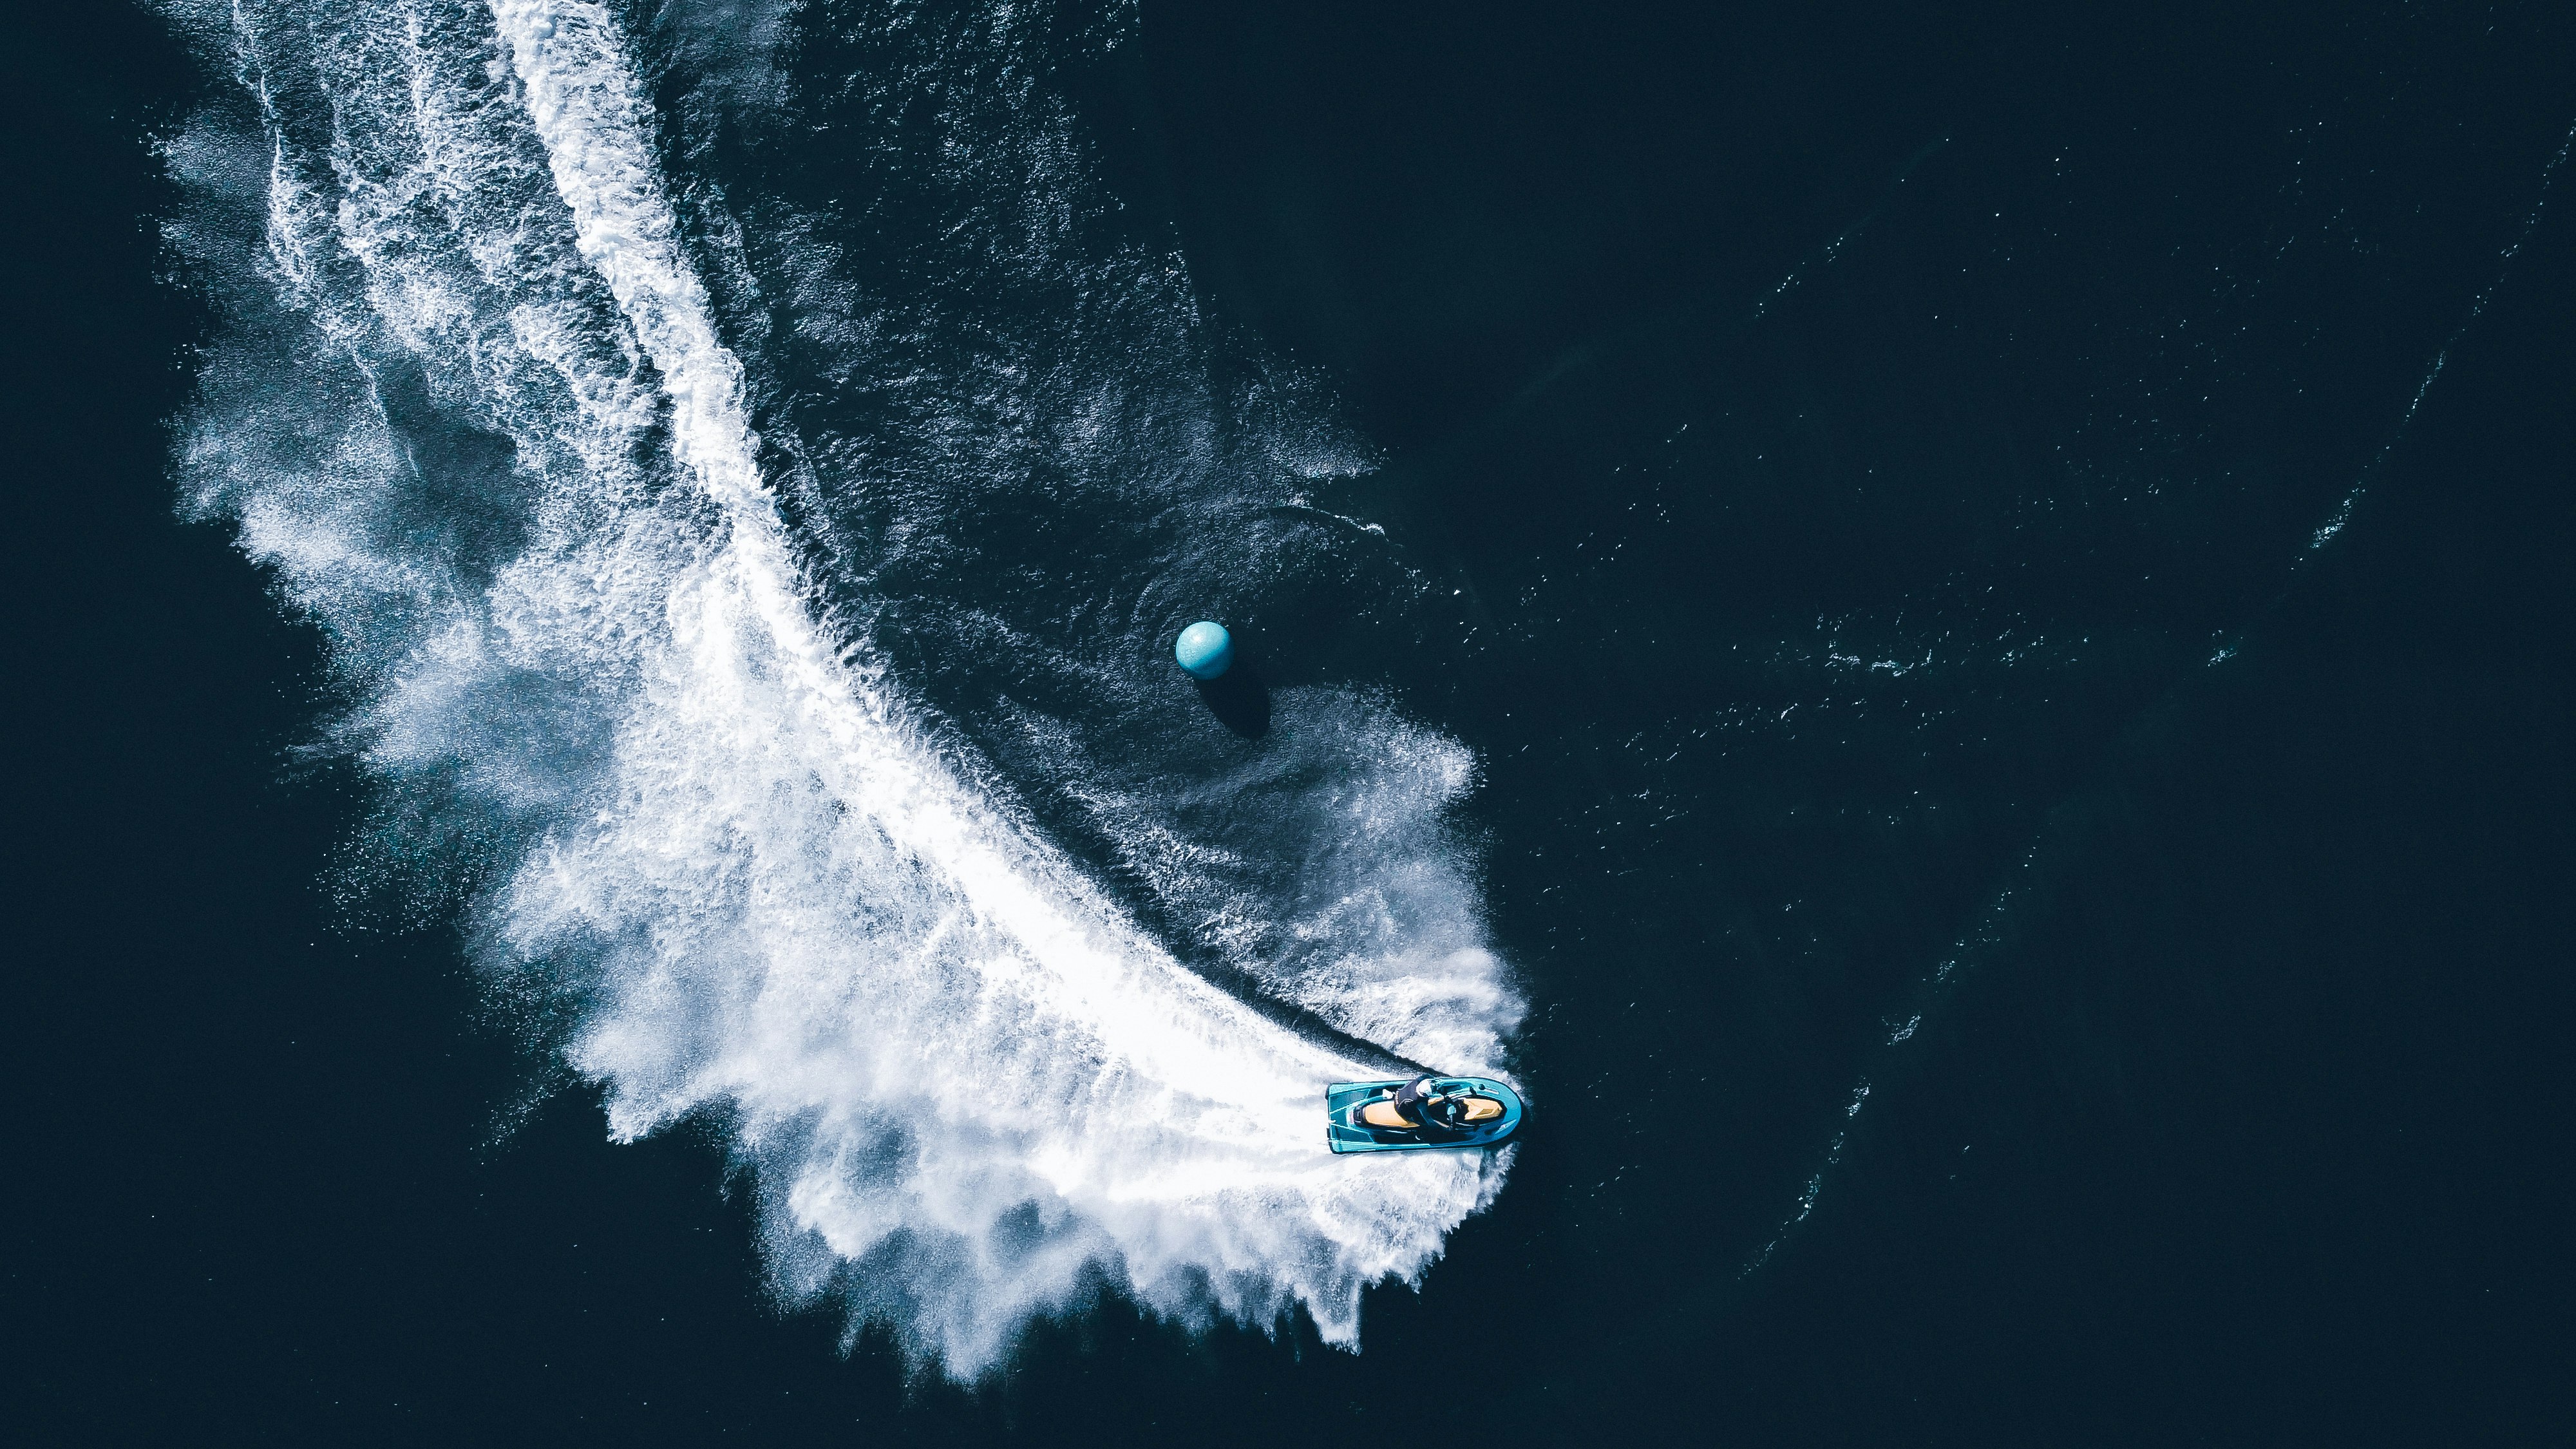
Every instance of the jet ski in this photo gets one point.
(1419, 1115)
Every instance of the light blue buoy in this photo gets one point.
(1204, 649)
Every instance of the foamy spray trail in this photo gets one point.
(965, 1084)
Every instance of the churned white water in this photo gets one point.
(474, 412)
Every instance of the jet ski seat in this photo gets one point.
(1382, 1113)
(1471, 1110)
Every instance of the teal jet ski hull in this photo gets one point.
(1345, 1132)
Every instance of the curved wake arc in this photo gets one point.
(964, 1082)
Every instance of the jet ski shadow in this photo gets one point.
(1239, 699)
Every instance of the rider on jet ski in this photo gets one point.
(1415, 1107)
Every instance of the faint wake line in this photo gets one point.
(2342, 515)
(1990, 919)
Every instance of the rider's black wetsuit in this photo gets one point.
(1412, 1104)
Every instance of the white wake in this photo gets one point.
(964, 1083)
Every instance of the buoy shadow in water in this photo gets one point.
(1238, 698)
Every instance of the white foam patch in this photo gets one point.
(1319, 865)
(963, 1080)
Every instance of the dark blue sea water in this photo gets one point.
(1944, 631)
